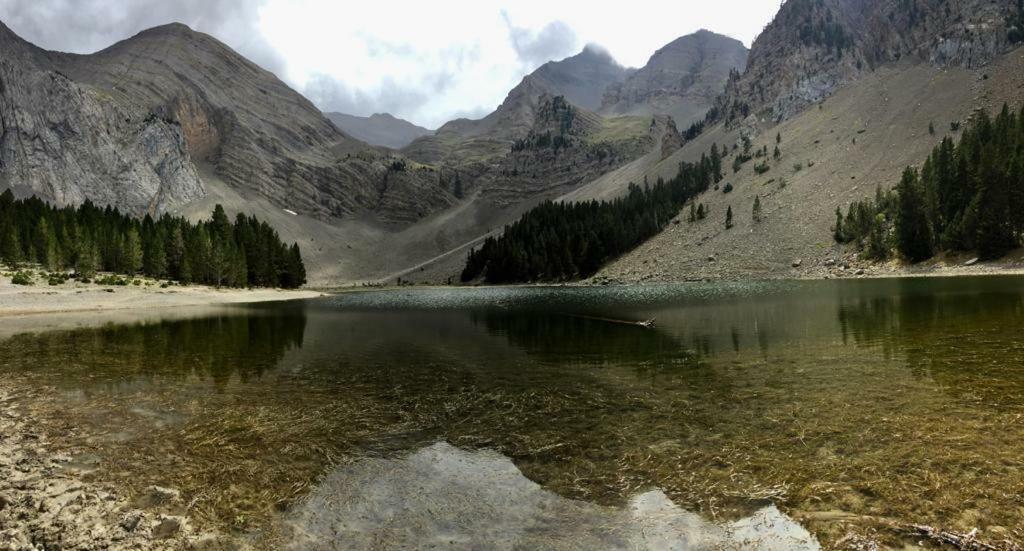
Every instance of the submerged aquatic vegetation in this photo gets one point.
(857, 408)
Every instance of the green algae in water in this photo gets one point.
(900, 400)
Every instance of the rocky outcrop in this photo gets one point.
(813, 47)
(562, 150)
(682, 79)
(381, 129)
(69, 142)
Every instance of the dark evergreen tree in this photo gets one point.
(913, 234)
(970, 195)
(89, 239)
(565, 240)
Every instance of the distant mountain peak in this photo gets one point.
(681, 79)
(595, 50)
(383, 129)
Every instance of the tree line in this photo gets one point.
(568, 240)
(89, 239)
(966, 197)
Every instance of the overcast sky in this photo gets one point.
(427, 62)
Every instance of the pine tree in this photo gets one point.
(132, 252)
(913, 236)
(877, 248)
(86, 258)
(10, 245)
(716, 163)
(778, 138)
(838, 230)
(693, 212)
(176, 253)
(220, 262)
(728, 217)
(757, 208)
(156, 265)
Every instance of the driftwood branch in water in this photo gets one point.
(964, 542)
(967, 541)
(641, 323)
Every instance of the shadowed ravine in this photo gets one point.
(525, 416)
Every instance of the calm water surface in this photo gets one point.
(840, 403)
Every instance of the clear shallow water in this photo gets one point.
(900, 400)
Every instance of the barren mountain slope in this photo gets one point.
(259, 134)
(381, 129)
(859, 139)
(682, 79)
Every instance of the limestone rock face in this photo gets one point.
(682, 79)
(68, 142)
(813, 47)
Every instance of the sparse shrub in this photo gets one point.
(112, 280)
(797, 167)
(761, 167)
(22, 278)
(727, 188)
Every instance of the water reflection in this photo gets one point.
(244, 343)
(815, 396)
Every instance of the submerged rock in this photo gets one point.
(444, 496)
(131, 521)
(167, 527)
(155, 496)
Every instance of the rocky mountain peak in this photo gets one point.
(681, 79)
(582, 78)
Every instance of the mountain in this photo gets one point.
(851, 92)
(581, 79)
(682, 79)
(813, 47)
(68, 141)
(381, 129)
(134, 124)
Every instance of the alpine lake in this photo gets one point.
(774, 415)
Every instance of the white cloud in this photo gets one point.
(424, 61)
(432, 61)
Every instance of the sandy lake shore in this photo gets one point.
(19, 300)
